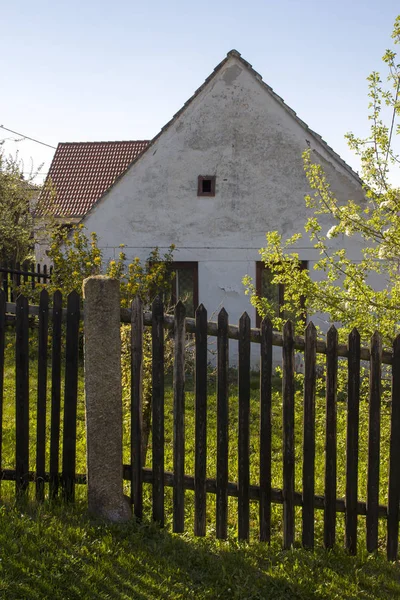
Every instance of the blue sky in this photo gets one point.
(94, 70)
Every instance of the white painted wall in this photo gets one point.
(240, 132)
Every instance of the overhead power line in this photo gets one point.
(26, 137)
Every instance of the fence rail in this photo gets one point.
(343, 350)
(11, 278)
(288, 495)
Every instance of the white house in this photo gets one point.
(225, 170)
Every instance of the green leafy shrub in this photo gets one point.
(75, 256)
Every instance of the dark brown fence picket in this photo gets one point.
(2, 346)
(374, 443)
(22, 395)
(158, 410)
(244, 428)
(18, 275)
(25, 266)
(55, 393)
(222, 426)
(200, 422)
(265, 429)
(394, 464)
(137, 406)
(353, 410)
(179, 419)
(42, 395)
(5, 286)
(310, 356)
(330, 438)
(70, 396)
(288, 434)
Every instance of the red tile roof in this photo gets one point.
(81, 172)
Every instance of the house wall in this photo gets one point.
(240, 132)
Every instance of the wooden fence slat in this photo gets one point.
(32, 272)
(310, 355)
(158, 411)
(330, 438)
(18, 275)
(22, 395)
(42, 395)
(11, 284)
(179, 418)
(392, 543)
(222, 425)
(265, 429)
(2, 346)
(55, 394)
(25, 275)
(244, 427)
(70, 396)
(137, 406)
(200, 423)
(5, 286)
(353, 410)
(288, 434)
(374, 442)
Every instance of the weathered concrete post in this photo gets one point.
(103, 393)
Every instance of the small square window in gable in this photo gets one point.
(206, 185)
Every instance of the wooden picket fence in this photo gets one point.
(266, 338)
(64, 475)
(27, 273)
(55, 315)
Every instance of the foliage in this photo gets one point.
(16, 225)
(75, 257)
(344, 288)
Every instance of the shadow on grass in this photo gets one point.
(59, 552)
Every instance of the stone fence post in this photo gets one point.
(103, 393)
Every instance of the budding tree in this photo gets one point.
(342, 287)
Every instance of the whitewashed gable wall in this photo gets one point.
(234, 129)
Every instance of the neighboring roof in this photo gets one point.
(81, 172)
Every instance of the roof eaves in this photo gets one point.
(164, 128)
(305, 126)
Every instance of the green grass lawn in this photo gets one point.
(56, 551)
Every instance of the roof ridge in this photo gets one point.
(105, 142)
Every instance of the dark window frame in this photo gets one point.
(260, 267)
(194, 266)
(211, 179)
